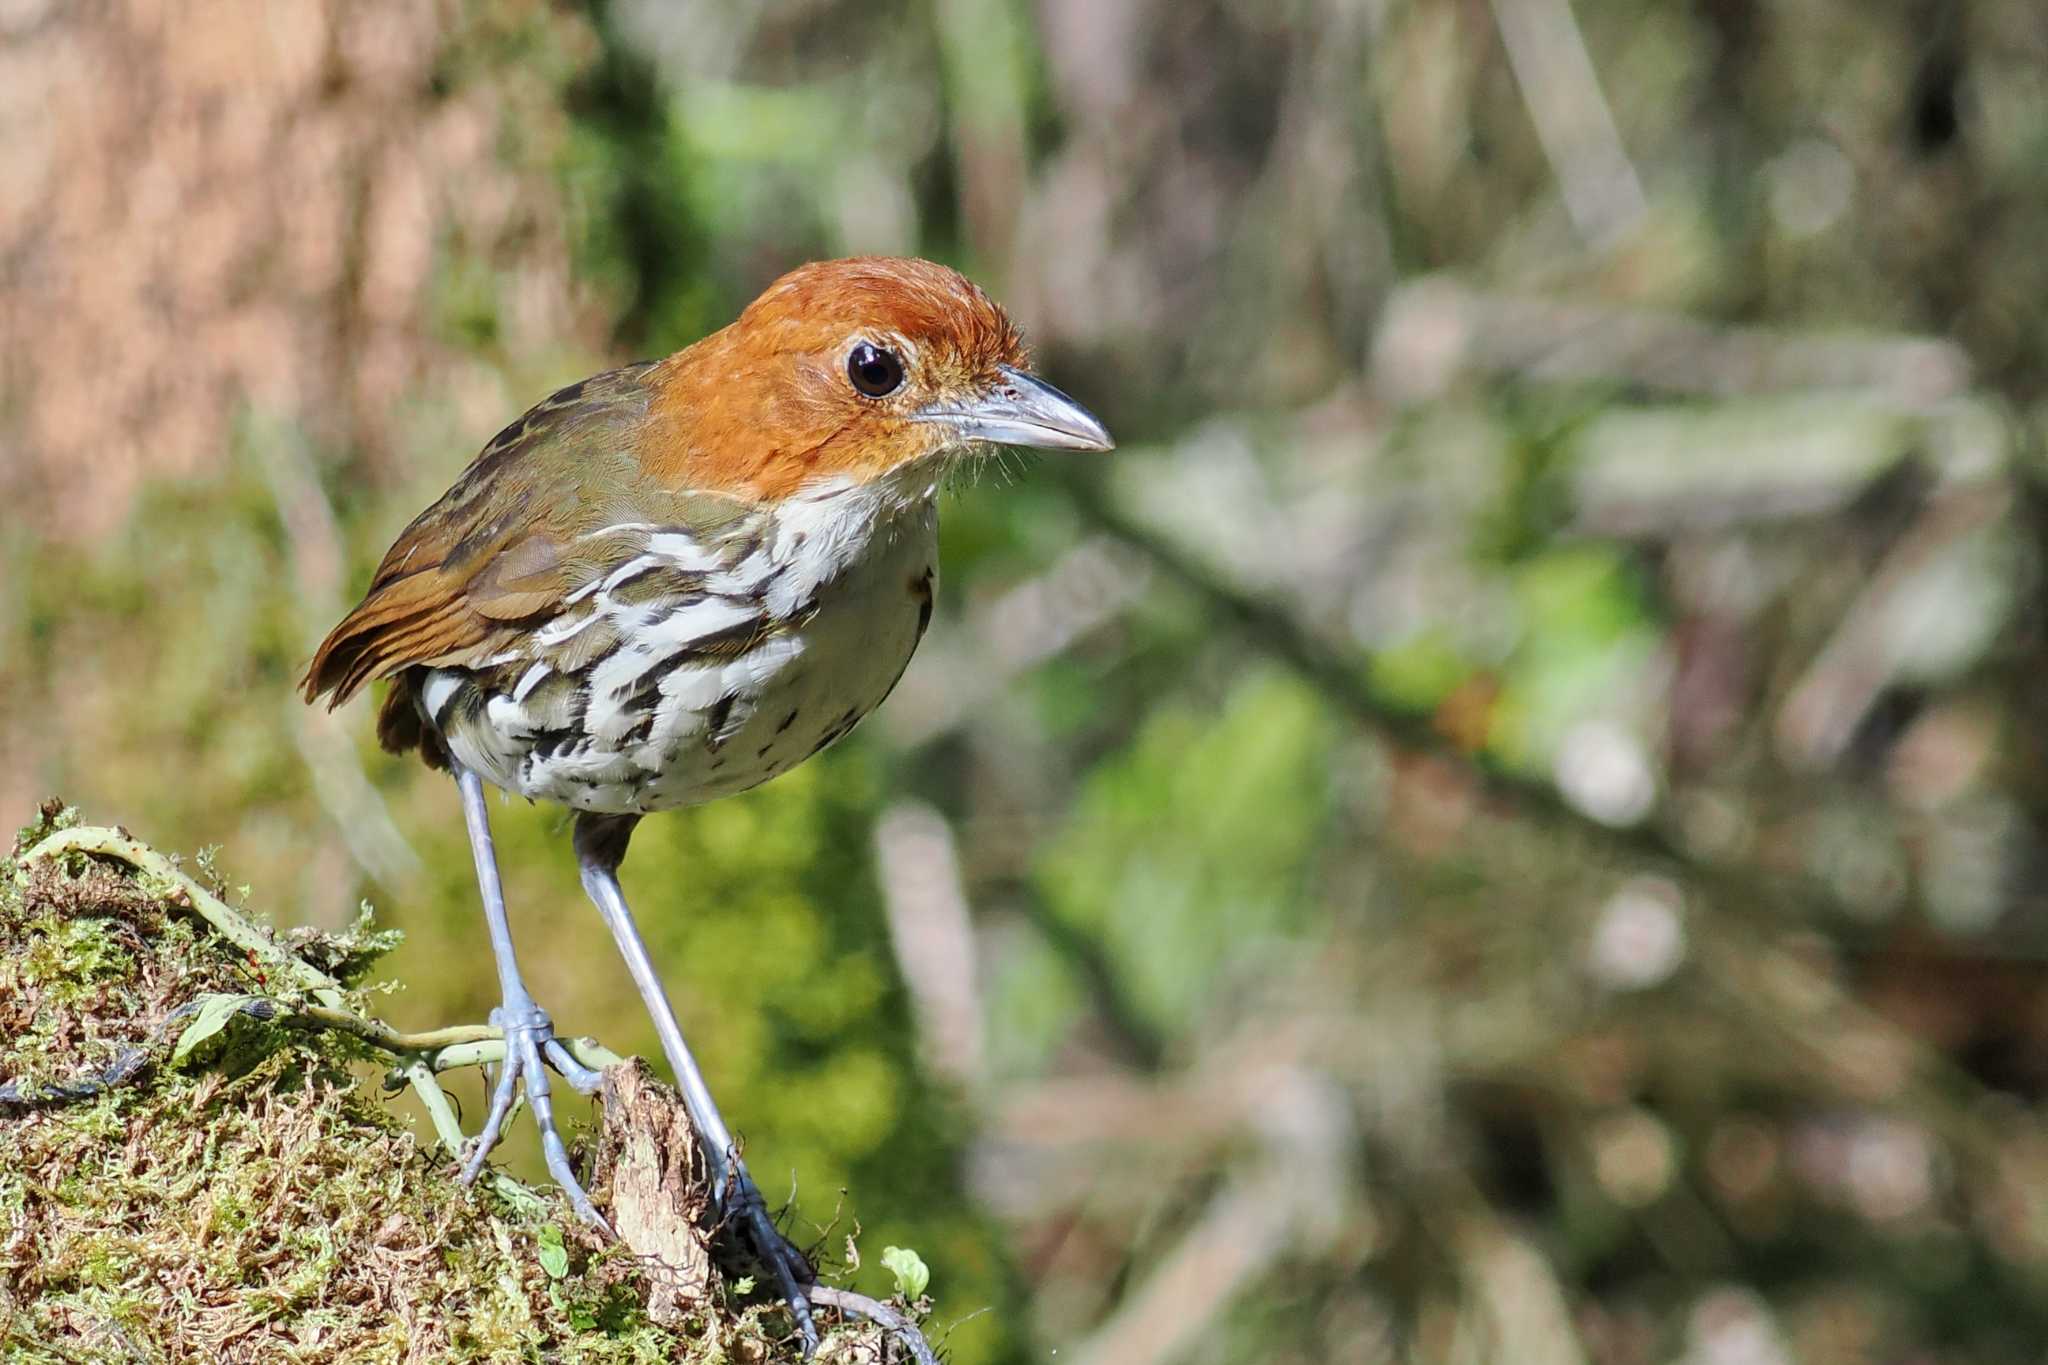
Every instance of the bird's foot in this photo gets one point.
(530, 1046)
(791, 1271)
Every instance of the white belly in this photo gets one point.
(844, 596)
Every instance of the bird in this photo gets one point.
(676, 580)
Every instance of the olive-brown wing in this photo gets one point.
(495, 553)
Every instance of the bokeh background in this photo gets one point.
(1506, 822)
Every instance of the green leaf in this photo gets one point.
(912, 1274)
(554, 1257)
(215, 1011)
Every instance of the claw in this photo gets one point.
(789, 1266)
(529, 1037)
(791, 1269)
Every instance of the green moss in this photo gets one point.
(269, 1207)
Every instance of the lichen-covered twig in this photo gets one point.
(882, 1315)
(490, 1047)
(236, 929)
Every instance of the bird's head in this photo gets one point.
(853, 370)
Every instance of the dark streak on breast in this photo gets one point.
(847, 720)
(715, 719)
(921, 590)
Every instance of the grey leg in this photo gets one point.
(600, 845)
(529, 1035)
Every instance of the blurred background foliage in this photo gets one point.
(1507, 821)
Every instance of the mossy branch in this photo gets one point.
(251, 1166)
(420, 1055)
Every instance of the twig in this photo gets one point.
(314, 552)
(932, 935)
(1547, 53)
(1341, 682)
(113, 843)
(1437, 330)
(381, 1034)
(882, 1315)
(1246, 1228)
(435, 1100)
(1869, 649)
(490, 1047)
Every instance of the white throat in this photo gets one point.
(834, 525)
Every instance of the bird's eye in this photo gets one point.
(874, 371)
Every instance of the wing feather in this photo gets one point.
(486, 553)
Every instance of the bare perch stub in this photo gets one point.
(660, 1185)
(653, 1176)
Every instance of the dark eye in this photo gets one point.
(874, 371)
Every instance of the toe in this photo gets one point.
(494, 1123)
(791, 1269)
(528, 1052)
(579, 1076)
